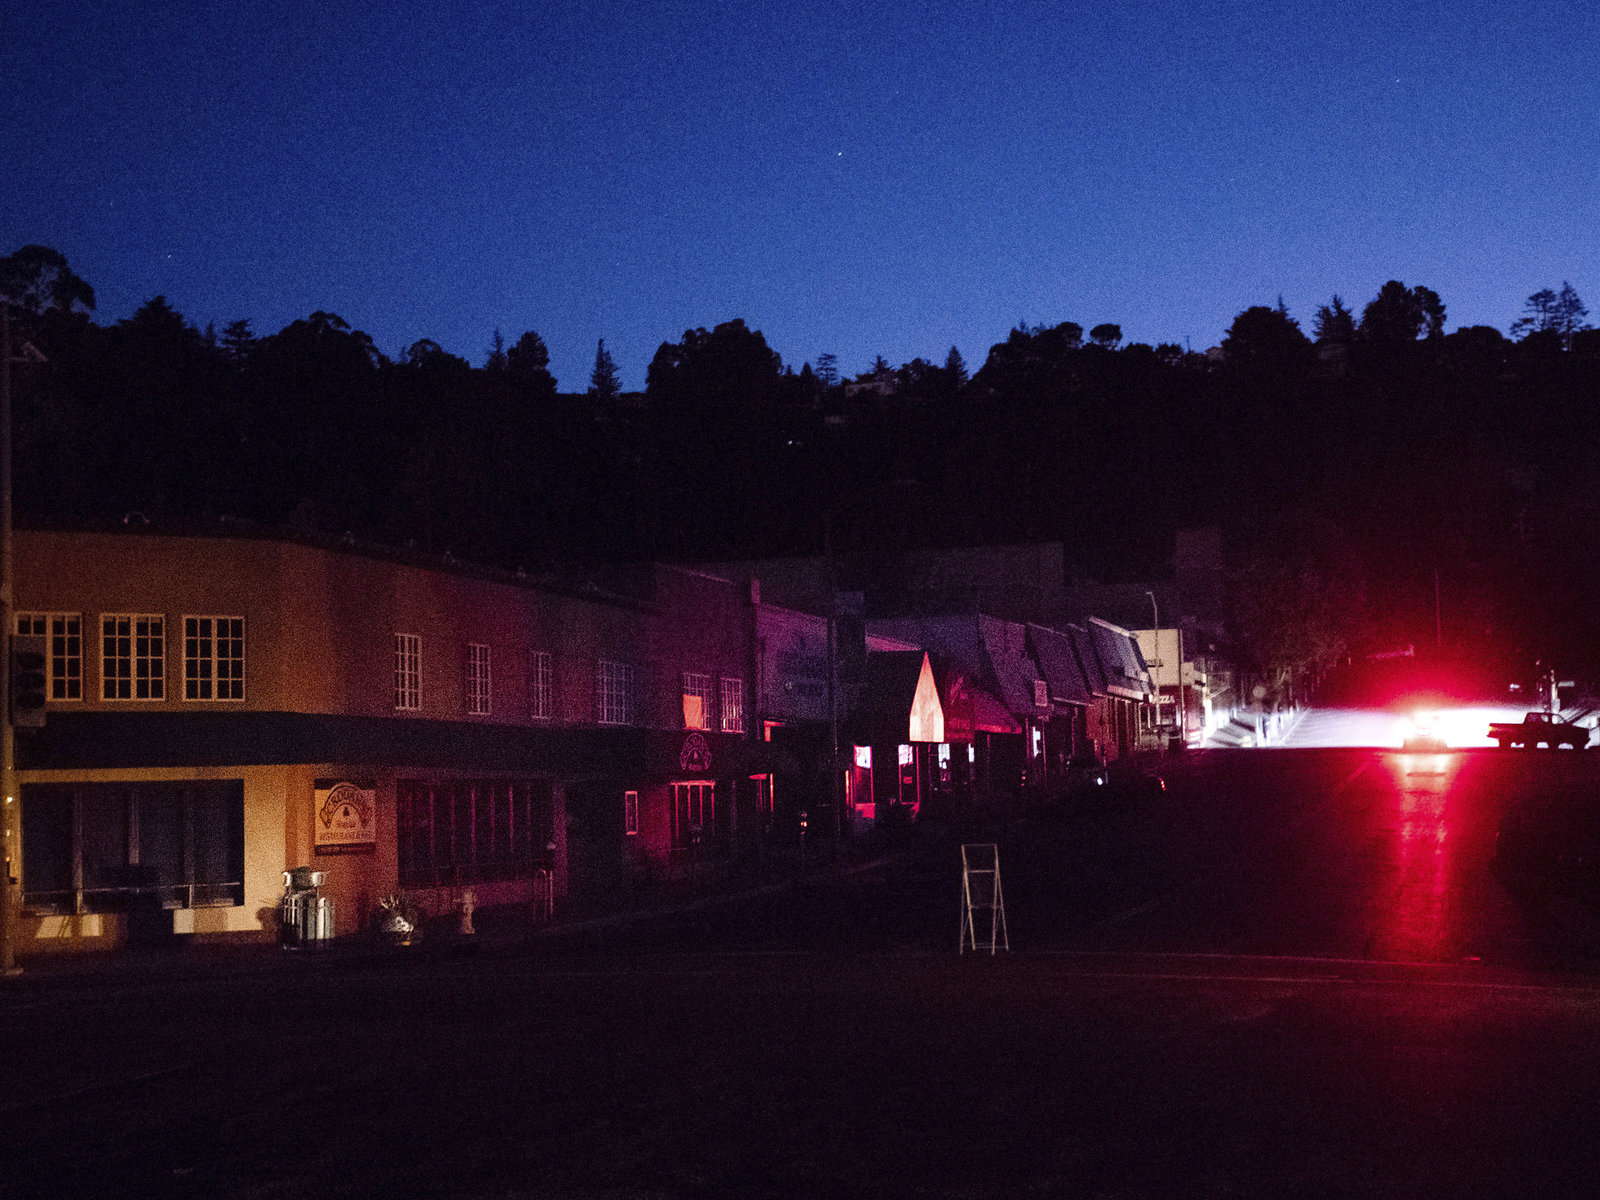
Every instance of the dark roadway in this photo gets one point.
(1293, 975)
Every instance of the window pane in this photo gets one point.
(161, 821)
(483, 828)
(217, 813)
(105, 835)
(47, 844)
(66, 657)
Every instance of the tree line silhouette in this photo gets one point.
(1382, 481)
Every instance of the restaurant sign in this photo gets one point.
(696, 754)
(344, 816)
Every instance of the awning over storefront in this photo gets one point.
(1088, 661)
(899, 700)
(1006, 644)
(97, 740)
(1123, 666)
(990, 716)
(1053, 650)
(989, 652)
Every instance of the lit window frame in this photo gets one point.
(616, 692)
(480, 681)
(407, 672)
(541, 686)
(64, 632)
(697, 683)
(133, 658)
(732, 709)
(213, 658)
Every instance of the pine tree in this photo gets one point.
(955, 368)
(1334, 323)
(1560, 313)
(603, 384)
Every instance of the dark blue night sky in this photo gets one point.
(855, 178)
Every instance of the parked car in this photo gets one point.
(1539, 729)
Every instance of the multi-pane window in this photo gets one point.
(65, 634)
(478, 703)
(407, 671)
(630, 813)
(732, 705)
(694, 811)
(213, 658)
(133, 656)
(471, 831)
(541, 687)
(109, 847)
(696, 701)
(616, 691)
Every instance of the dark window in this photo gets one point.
(694, 811)
(470, 831)
(105, 847)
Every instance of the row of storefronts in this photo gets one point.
(222, 709)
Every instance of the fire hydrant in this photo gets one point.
(468, 903)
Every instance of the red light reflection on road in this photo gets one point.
(1413, 920)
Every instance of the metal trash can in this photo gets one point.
(305, 919)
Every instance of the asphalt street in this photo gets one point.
(1292, 974)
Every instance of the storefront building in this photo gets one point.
(224, 708)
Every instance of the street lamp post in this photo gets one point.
(1155, 661)
(11, 815)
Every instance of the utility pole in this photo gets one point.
(10, 801)
(835, 790)
(10, 810)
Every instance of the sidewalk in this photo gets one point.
(498, 929)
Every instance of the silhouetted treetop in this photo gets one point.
(38, 279)
(1559, 313)
(725, 366)
(1106, 335)
(603, 382)
(1335, 324)
(1265, 337)
(1398, 314)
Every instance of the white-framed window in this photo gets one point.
(732, 705)
(696, 700)
(213, 658)
(541, 687)
(630, 813)
(65, 634)
(133, 656)
(479, 702)
(616, 692)
(694, 811)
(407, 672)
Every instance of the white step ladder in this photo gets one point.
(980, 893)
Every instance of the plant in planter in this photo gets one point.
(398, 917)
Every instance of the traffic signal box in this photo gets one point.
(28, 680)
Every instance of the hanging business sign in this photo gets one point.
(344, 816)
